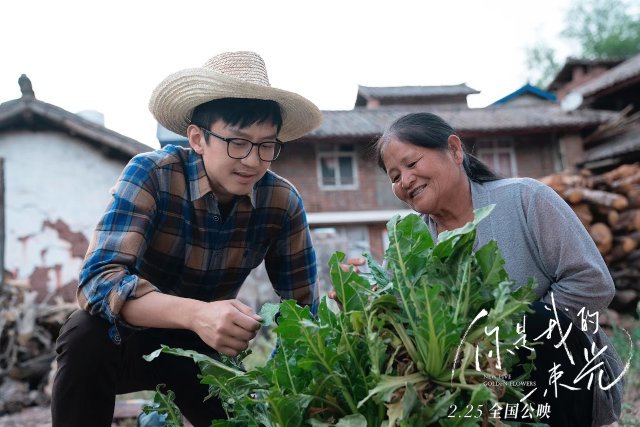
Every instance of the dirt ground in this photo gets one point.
(37, 416)
(40, 416)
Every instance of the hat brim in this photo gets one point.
(174, 99)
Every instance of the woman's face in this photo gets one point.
(424, 178)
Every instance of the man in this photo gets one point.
(182, 231)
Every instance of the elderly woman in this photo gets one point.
(539, 236)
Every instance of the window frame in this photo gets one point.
(492, 147)
(332, 151)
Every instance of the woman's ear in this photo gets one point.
(196, 139)
(456, 149)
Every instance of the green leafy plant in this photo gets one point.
(163, 403)
(410, 351)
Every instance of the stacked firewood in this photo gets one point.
(608, 205)
(28, 330)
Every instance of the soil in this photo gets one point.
(40, 416)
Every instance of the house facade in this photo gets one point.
(577, 71)
(57, 169)
(528, 134)
(618, 90)
(349, 199)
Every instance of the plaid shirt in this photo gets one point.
(162, 231)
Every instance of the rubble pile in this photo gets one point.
(28, 330)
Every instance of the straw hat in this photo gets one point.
(229, 75)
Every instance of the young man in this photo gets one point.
(182, 231)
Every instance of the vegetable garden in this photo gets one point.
(426, 345)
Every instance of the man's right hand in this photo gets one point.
(226, 326)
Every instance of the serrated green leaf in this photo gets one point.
(268, 313)
(289, 410)
(352, 290)
(367, 363)
(491, 263)
(389, 384)
(379, 274)
(163, 403)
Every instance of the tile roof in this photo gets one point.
(566, 72)
(617, 75)
(527, 89)
(362, 122)
(415, 91)
(28, 112)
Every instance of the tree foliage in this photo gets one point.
(601, 29)
(542, 64)
(604, 28)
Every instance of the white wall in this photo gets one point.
(56, 188)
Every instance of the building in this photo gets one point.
(57, 169)
(577, 71)
(617, 90)
(525, 134)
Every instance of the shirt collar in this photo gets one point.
(199, 185)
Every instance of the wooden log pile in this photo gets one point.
(28, 330)
(608, 205)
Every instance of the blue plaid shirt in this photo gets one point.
(162, 231)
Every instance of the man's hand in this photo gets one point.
(351, 262)
(227, 326)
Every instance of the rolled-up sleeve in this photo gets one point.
(108, 277)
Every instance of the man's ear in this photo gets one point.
(456, 149)
(196, 139)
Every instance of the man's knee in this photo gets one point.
(85, 335)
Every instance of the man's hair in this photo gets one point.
(240, 112)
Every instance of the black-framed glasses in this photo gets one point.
(239, 148)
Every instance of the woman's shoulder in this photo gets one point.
(527, 191)
(514, 183)
(513, 186)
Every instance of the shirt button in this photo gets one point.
(114, 335)
(216, 218)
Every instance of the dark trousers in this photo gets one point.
(92, 369)
(570, 407)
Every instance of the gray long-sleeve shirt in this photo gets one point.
(540, 236)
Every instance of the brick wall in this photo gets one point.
(536, 156)
(579, 76)
(298, 164)
(571, 148)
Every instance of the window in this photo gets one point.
(499, 155)
(337, 167)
